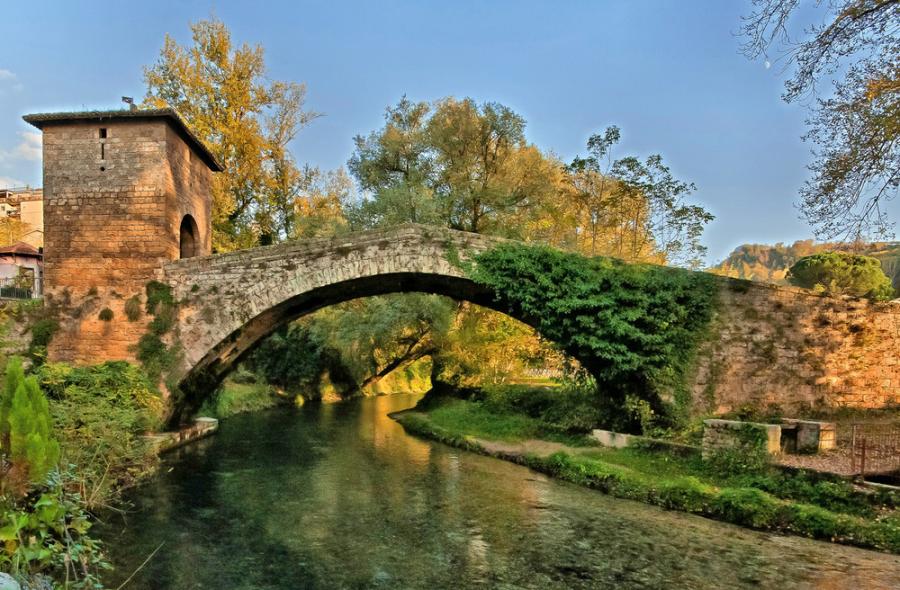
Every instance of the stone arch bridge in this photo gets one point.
(769, 345)
(127, 193)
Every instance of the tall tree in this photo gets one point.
(319, 210)
(856, 166)
(454, 163)
(633, 209)
(247, 122)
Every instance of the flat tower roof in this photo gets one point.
(41, 120)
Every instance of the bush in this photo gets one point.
(740, 505)
(748, 457)
(158, 294)
(133, 308)
(291, 358)
(838, 495)
(688, 494)
(573, 408)
(48, 533)
(100, 413)
(106, 315)
(746, 506)
(42, 332)
(840, 273)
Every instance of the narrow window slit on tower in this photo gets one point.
(102, 151)
(103, 133)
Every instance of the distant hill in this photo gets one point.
(769, 264)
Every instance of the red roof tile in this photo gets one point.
(20, 249)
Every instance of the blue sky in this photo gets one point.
(667, 72)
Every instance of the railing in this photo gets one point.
(21, 288)
(875, 449)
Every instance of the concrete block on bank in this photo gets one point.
(617, 440)
(166, 441)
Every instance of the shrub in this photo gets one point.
(573, 408)
(747, 506)
(163, 320)
(158, 294)
(838, 495)
(106, 314)
(688, 494)
(813, 521)
(841, 273)
(100, 413)
(749, 456)
(739, 505)
(133, 308)
(154, 355)
(42, 332)
(234, 398)
(48, 533)
(292, 358)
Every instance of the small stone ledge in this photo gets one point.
(166, 441)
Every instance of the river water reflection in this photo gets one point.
(338, 496)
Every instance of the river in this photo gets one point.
(338, 496)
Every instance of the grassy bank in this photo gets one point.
(235, 397)
(766, 498)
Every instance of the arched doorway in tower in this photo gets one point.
(189, 238)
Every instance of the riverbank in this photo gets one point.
(828, 509)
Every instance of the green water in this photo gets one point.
(338, 496)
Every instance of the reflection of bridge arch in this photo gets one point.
(229, 302)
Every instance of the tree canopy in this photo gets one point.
(246, 120)
(856, 166)
(840, 273)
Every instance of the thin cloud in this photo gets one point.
(28, 149)
(9, 80)
(30, 146)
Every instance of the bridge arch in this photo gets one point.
(230, 302)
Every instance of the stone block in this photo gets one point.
(730, 434)
(616, 440)
(813, 436)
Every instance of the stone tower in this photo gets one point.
(124, 192)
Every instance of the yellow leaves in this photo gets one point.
(878, 88)
(246, 121)
(12, 230)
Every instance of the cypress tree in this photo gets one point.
(26, 438)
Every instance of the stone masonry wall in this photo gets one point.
(112, 210)
(786, 347)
